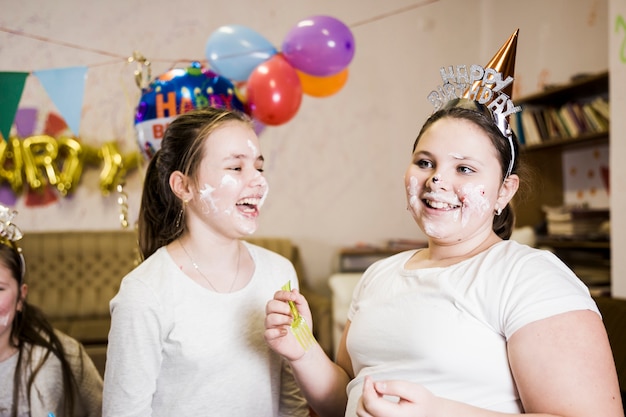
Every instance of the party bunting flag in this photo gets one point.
(66, 88)
(26, 121)
(11, 88)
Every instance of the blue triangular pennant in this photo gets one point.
(66, 89)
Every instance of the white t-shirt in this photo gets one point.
(447, 328)
(178, 349)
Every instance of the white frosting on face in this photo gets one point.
(430, 228)
(248, 226)
(471, 197)
(206, 196)
(4, 319)
(474, 201)
(228, 180)
(266, 189)
(433, 228)
(412, 189)
(254, 149)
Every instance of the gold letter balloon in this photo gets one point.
(41, 160)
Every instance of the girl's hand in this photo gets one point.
(395, 399)
(278, 319)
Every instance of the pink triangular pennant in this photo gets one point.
(66, 88)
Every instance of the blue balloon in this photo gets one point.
(234, 51)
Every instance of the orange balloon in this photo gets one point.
(322, 86)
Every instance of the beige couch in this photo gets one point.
(72, 276)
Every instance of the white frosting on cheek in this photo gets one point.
(475, 202)
(431, 230)
(4, 319)
(412, 190)
(266, 189)
(228, 181)
(206, 196)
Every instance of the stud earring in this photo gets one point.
(498, 211)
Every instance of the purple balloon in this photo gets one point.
(258, 126)
(319, 46)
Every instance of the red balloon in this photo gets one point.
(274, 91)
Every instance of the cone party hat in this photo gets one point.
(503, 62)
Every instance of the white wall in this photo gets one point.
(335, 170)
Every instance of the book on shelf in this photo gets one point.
(594, 119)
(517, 128)
(577, 111)
(555, 131)
(539, 123)
(576, 222)
(575, 228)
(557, 121)
(573, 126)
(532, 135)
(601, 105)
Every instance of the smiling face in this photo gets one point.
(10, 301)
(454, 181)
(230, 188)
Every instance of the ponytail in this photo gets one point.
(157, 223)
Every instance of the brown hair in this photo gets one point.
(31, 327)
(161, 214)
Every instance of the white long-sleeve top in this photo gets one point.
(178, 349)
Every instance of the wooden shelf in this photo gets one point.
(589, 258)
(569, 143)
(573, 243)
(592, 85)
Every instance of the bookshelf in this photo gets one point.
(545, 158)
(588, 256)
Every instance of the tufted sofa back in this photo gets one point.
(72, 276)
